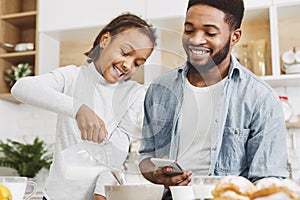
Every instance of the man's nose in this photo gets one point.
(198, 38)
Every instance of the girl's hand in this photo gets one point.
(98, 197)
(91, 125)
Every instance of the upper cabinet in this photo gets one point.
(18, 37)
(269, 28)
(68, 19)
(253, 4)
(276, 24)
(156, 9)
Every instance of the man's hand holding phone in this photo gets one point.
(169, 173)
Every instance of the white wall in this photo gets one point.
(67, 14)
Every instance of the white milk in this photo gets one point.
(77, 164)
(81, 172)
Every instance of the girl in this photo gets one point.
(97, 101)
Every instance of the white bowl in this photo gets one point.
(132, 192)
(288, 57)
(182, 192)
(204, 185)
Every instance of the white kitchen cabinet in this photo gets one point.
(64, 15)
(252, 4)
(285, 26)
(157, 9)
(276, 21)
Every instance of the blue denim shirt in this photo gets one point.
(248, 135)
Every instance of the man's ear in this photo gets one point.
(105, 39)
(236, 36)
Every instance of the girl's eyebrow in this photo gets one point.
(130, 46)
(133, 49)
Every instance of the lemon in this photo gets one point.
(5, 194)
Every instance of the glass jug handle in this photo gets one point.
(34, 189)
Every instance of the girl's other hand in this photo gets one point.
(92, 127)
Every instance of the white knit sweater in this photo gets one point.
(63, 91)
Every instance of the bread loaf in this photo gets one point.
(240, 188)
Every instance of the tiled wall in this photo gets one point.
(23, 122)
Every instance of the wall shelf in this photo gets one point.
(17, 57)
(18, 24)
(22, 20)
(285, 80)
(295, 124)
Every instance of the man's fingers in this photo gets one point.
(167, 170)
(184, 182)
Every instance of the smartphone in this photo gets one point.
(162, 162)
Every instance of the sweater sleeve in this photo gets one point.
(49, 91)
(131, 122)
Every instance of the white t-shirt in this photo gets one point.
(63, 91)
(198, 106)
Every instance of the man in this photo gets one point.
(212, 115)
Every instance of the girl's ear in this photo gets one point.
(105, 39)
(236, 36)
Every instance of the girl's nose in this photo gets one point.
(126, 66)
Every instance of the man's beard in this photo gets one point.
(212, 61)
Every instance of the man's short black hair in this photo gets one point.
(233, 10)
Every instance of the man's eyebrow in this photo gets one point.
(211, 26)
(188, 23)
(206, 25)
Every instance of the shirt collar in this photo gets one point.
(235, 69)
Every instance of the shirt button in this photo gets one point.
(214, 148)
(216, 121)
(236, 131)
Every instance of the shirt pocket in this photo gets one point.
(232, 157)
